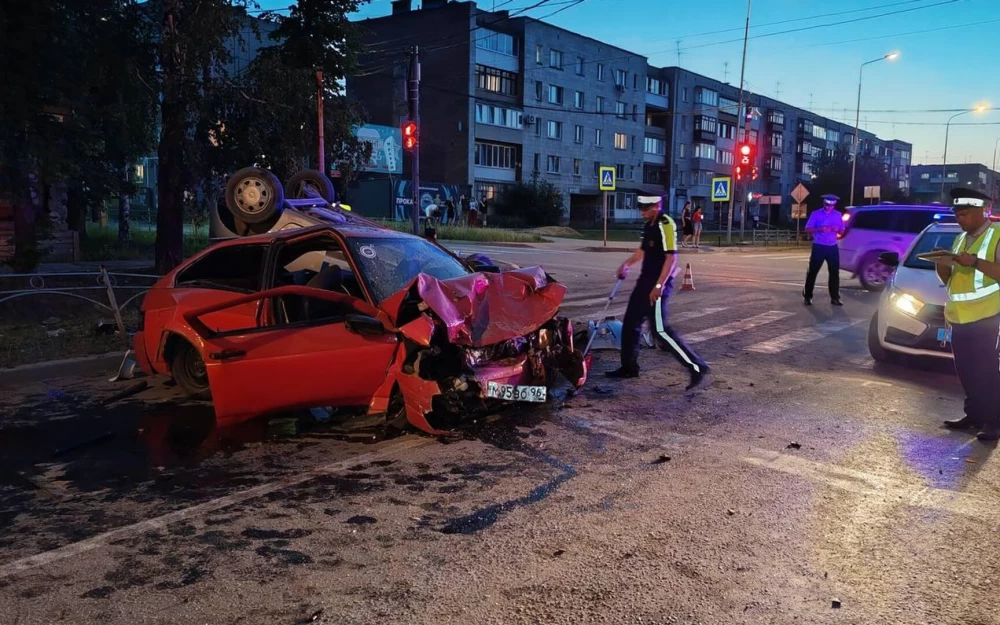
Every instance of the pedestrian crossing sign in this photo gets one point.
(607, 178)
(720, 189)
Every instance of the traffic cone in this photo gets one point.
(688, 279)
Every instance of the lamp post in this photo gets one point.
(857, 117)
(947, 127)
(993, 172)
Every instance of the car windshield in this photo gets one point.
(930, 241)
(389, 263)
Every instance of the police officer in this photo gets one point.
(825, 224)
(658, 255)
(972, 276)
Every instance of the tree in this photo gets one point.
(833, 175)
(530, 204)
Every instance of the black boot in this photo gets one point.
(806, 299)
(990, 433)
(623, 372)
(964, 422)
(698, 378)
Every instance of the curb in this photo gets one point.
(51, 369)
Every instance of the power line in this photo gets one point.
(912, 32)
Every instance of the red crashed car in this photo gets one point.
(354, 315)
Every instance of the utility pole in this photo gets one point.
(414, 101)
(743, 67)
(319, 121)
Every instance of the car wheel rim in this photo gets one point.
(252, 195)
(875, 273)
(194, 366)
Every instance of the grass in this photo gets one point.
(26, 343)
(101, 244)
(464, 233)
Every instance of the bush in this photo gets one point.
(532, 204)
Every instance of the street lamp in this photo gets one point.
(857, 116)
(947, 127)
(993, 172)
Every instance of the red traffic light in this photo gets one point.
(745, 149)
(410, 135)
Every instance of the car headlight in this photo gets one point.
(906, 303)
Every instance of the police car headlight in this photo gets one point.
(906, 303)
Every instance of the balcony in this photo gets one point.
(705, 136)
(772, 172)
(656, 100)
(775, 122)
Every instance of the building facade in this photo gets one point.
(927, 181)
(506, 98)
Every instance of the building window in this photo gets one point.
(706, 97)
(537, 162)
(655, 86)
(819, 132)
(776, 140)
(538, 126)
(538, 90)
(497, 42)
(577, 166)
(753, 137)
(727, 131)
(621, 141)
(579, 65)
(600, 71)
(724, 157)
(775, 162)
(620, 172)
(705, 123)
(578, 99)
(495, 155)
(620, 110)
(552, 164)
(498, 116)
(555, 95)
(704, 150)
(598, 137)
(555, 59)
(578, 134)
(600, 104)
(681, 150)
(621, 76)
(538, 54)
(496, 80)
(776, 117)
(555, 130)
(655, 145)
(635, 112)
(684, 94)
(732, 107)
(597, 169)
(833, 135)
(925, 176)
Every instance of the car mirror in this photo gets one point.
(364, 325)
(889, 259)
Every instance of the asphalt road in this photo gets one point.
(804, 484)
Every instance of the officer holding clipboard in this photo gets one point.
(971, 273)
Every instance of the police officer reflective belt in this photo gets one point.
(979, 291)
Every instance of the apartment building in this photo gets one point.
(926, 181)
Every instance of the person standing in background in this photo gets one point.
(697, 217)
(686, 223)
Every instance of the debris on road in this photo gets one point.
(794, 445)
(558, 552)
(361, 520)
(835, 604)
(134, 389)
(662, 460)
(312, 619)
(730, 512)
(100, 438)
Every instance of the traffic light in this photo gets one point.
(410, 135)
(744, 161)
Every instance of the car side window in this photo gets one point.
(233, 267)
(915, 221)
(320, 263)
(873, 220)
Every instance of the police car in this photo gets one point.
(910, 320)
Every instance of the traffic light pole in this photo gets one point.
(414, 100)
(743, 67)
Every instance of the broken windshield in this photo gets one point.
(389, 264)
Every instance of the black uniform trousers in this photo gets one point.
(638, 310)
(976, 347)
(830, 254)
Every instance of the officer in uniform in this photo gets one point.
(972, 276)
(824, 224)
(658, 255)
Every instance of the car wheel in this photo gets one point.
(874, 273)
(310, 183)
(879, 353)
(254, 195)
(189, 371)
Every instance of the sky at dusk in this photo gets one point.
(949, 56)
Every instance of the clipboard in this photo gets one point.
(936, 255)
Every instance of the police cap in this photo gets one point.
(830, 198)
(963, 197)
(648, 198)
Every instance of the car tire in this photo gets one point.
(873, 273)
(879, 353)
(254, 196)
(296, 187)
(188, 370)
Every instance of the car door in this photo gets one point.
(274, 366)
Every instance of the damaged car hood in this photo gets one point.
(485, 308)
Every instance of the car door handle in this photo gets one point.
(226, 354)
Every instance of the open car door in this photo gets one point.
(336, 357)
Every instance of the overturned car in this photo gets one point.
(353, 315)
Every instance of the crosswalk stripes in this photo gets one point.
(696, 314)
(803, 335)
(738, 326)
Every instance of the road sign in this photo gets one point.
(800, 193)
(874, 192)
(607, 179)
(798, 211)
(720, 189)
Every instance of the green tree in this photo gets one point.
(533, 204)
(833, 175)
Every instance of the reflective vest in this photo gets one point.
(972, 295)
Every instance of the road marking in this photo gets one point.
(737, 326)
(696, 314)
(160, 522)
(804, 335)
(864, 362)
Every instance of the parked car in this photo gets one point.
(879, 228)
(909, 320)
(355, 316)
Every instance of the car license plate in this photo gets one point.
(511, 392)
(944, 335)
